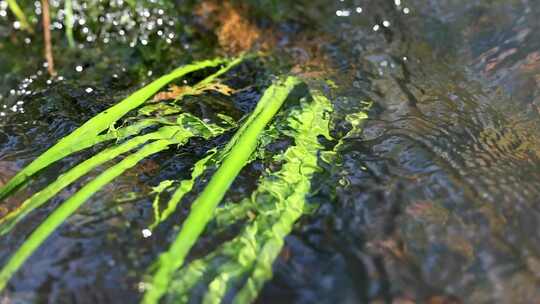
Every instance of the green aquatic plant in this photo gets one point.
(19, 14)
(164, 138)
(175, 132)
(200, 129)
(184, 187)
(245, 262)
(88, 134)
(239, 150)
(68, 10)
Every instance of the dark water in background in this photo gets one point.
(435, 200)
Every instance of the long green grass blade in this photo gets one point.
(9, 220)
(228, 273)
(188, 126)
(202, 210)
(85, 135)
(18, 12)
(68, 9)
(116, 134)
(71, 205)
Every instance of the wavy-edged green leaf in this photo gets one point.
(233, 212)
(211, 266)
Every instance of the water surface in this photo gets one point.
(434, 200)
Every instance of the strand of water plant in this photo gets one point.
(228, 273)
(90, 129)
(8, 221)
(11, 219)
(186, 278)
(188, 126)
(204, 206)
(227, 264)
(57, 217)
(184, 187)
(233, 212)
(242, 254)
(272, 247)
(19, 14)
(288, 189)
(157, 191)
(282, 216)
(230, 64)
(117, 134)
(68, 10)
(223, 153)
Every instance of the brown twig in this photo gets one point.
(47, 37)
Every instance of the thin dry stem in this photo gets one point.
(47, 37)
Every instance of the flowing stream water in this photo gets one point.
(434, 200)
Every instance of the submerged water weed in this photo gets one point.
(245, 263)
(239, 150)
(87, 135)
(19, 14)
(68, 9)
(183, 188)
(169, 136)
(174, 132)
